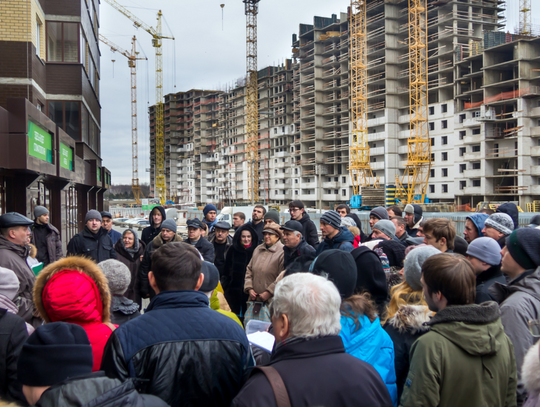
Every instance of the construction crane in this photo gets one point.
(132, 63)
(413, 185)
(359, 161)
(252, 119)
(525, 17)
(157, 38)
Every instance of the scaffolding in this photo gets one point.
(359, 160)
(413, 185)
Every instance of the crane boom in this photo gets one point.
(157, 38)
(252, 120)
(132, 63)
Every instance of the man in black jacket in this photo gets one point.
(45, 237)
(181, 350)
(205, 248)
(55, 368)
(156, 218)
(306, 325)
(485, 256)
(294, 243)
(94, 241)
(298, 213)
(222, 241)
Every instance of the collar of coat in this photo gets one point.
(178, 299)
(301, 348)
(527, 282)
(472, 314)
(158, 240)
(21, 251)
(411, 318)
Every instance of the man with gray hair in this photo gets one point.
(295, 244)
(309, 358)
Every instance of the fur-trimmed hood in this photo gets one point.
(411, 318)
(531, 371)
(84, 266)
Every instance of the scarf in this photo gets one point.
(135, 248)
(124, 305)
(210, 224)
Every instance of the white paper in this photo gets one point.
(263, 340)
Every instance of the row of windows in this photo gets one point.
(444, 125)
(444, 109)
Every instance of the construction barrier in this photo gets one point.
(530, 90)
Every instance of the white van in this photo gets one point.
(226, 214)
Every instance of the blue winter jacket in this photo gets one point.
(373, 345)
(115, 236)
(342, 241)
(479, 219)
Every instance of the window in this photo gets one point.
(476, 131)
(432, 157)
(444, 108)
(476, 114)
(444, 140)
(476, 165)
(444, 172)
(462, 168)
(62, 42)
(432, 173)
(476, 183)
(431, 110)
(444, 124)
(462, 151)
(431, 126)
(431, 189)
(38, 37)
(476, 149)
(432, 141)
(444, 156)
(343, 192)
(462, 134)
(462, 184)
(462, 118)
(344, 179)
(444, 188)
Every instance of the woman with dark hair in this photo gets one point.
(239, 255)
(129, 250)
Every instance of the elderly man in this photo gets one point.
(94, 241)
(295, 244)
(205, 248)
(107, 223)
(306, 322)
(222, 241)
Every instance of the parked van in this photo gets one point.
(226, 214)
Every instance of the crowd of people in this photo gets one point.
(408, 313)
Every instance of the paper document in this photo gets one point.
(263, 340)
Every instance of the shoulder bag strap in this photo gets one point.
(280, 391)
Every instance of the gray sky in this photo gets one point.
(210, 53)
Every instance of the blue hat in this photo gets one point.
(209, 208)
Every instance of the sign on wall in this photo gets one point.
(39, 143)
(66, 157)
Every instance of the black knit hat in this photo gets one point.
(54, 353)
(523, 246)
(340, 268)
(394, 250)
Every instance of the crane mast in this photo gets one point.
(157, 38)
(359, 161)
(525, 17)
(413, 185)
(252, 119)
(132, 63)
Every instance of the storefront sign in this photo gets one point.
(66, 157)
(39, 143)
(99, 174)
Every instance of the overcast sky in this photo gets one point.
(210, 53)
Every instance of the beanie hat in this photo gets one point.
(394, 250)
(274, 229)
(53, 353)
(413, 265)
(209, 208)
(380, 213)
(409, 209)
(118, 275)
(523, 246)
(348, 222)
(331, 218)
(486, 249)
(535, 221)
(387, 227)
(460, 245)
(339, 267)
(169, 224)
(272, 214)
(211, 277)
(39, 211)
(92, 214)
(501, 222)
(9, 283)
(414, 209)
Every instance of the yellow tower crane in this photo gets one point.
(252, 120)
(359, 161)
(413, 184)
(525, 17)
(132, 63)
(157, 38)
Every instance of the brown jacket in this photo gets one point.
(263, 269)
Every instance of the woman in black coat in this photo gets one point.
(245, 241)
(129, 250)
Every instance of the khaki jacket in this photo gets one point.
(264, 268)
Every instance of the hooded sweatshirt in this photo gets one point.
(465, 360)
(510, 209)
(478, 219)
(150, 232)
(342, 241)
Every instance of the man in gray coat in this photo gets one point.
(520, 299)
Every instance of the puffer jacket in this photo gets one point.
(133, 261)
(342, 241)
(150, 232)
(234, 273)
(512, 210)
(519, 302)
(465, 360)
(302, 249)
(371, 344)
(13, 257)
(13, 335)
(531, 375)
(264, 268)
(96, 390)
(96, 246)
(404, 328)
(310, 231)
(53, 243)
(220, 263)
(75, 290)
(182, 351)
(144, 288)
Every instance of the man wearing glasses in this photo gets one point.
(298, 213)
